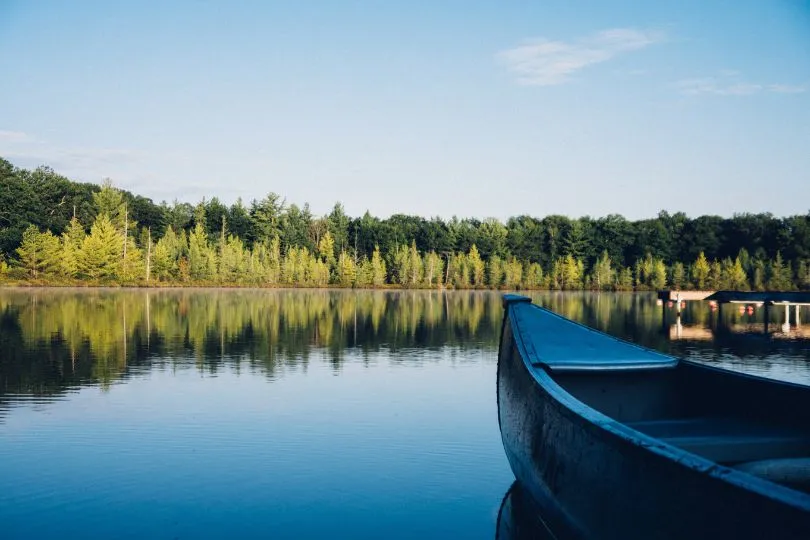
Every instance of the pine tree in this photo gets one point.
(738, 280)
(434, 269)
(759, 275)
(401, 265)
(533, 276)
(377, 268)
(415, 266)
(320, 276)
(365, 273)
(658, 279)
(39, 252)
(233, 261)
(803, 275)
(109, 201)
(346, 269)
(458, 271)
(326, 249)
(700, 272)
(603, 272)
(779, 275)
(513, 273)
(131, 267)
(572, 273)
(495, 273)
(201, 258)
(715, 280)
(678, 278)
(624, 280)
(100, 256)
(288, 272)
(476, 266)
(166, 256)
(71, 245)
(272, 263)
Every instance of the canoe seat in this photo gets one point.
(791, 472)
(729, 440)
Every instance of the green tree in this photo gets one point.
(71, 245)
(415, 266)
(166, 256)
(131, 267)
(38, 252)
(233, 261)
(758, 278)
(658, 279)
(326, 249)
(265, 217)
(574, 240)
(272, 261)
(533, 276)
(338, 225)
(572, 272)
(102, 250)
(678, 278)
(109, 201)
(624, 279)
(779, 275)
(433, 269)
(737, 279)
(715, 280)
(346, 270)
(201, 257)
(378, 270)
(513, 273)
(603, 272)
(495, 272)
(476, 266)
(803, 275)
(700, 272)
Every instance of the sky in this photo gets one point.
(435, 108)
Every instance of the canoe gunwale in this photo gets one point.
(617, 433)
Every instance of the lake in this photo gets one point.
(291, 413)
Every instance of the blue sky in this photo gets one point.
(432, 108)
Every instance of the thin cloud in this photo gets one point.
(80, 162)
(543, 62)
(728, 83)
(787, 88)
(7, 136)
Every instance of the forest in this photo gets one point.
(54, 231)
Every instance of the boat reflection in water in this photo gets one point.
(520, 518)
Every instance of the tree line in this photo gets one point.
(55, 231)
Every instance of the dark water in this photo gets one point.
(290, 414)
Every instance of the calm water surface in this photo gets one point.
(290, 414)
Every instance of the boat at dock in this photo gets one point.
(613, 440)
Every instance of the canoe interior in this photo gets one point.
(751, 424)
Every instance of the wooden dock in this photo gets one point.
(767, 299)
(683, 296)
(793, 298)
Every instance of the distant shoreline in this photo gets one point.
(175, 287)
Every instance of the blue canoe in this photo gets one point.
(612, 440)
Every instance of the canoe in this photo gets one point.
(613, 440)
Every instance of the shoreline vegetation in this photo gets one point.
(59, 233)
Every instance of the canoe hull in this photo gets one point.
(604, 483)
